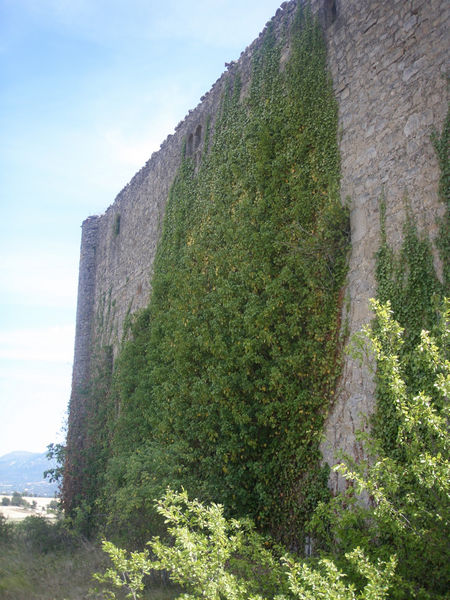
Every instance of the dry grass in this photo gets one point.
(57, 575)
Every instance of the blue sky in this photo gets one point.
(88, 90)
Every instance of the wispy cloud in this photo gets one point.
(218, 23)
(129, 139)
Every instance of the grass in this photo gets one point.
(43, 571)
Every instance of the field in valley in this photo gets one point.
(18, 513)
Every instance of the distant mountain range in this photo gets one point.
(24, 472)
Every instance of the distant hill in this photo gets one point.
(24, 472)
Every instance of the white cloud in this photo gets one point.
(42, 277)
(50, 344)
(35, 379)
(129, 140)
(33, 402)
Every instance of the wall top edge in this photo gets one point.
(91, 220)
(192, 116)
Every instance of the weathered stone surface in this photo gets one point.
(390, 56)
(387, 59)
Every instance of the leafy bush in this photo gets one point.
(406, 509)
(396, 509)
(40, 535)
(57, 453)
(54, 506)
(213, 558)
(5, 529)
(18, 500)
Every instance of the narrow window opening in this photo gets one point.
(197, 137)
(108, 359)
(190, 145)
(333, 11)
(116, 227)
(330, 11)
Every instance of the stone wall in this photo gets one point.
(388, 63)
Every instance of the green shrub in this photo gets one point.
(406, 509)
(5, 529)
(396, 510)
(214, 558)
(18, 500)
(40, 535)
(54, 506)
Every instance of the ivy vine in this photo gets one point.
(442, 146)
(227, 375)
(226, 381)
(408, 279)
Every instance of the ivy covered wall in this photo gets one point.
(225, 381)
(227, 374)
